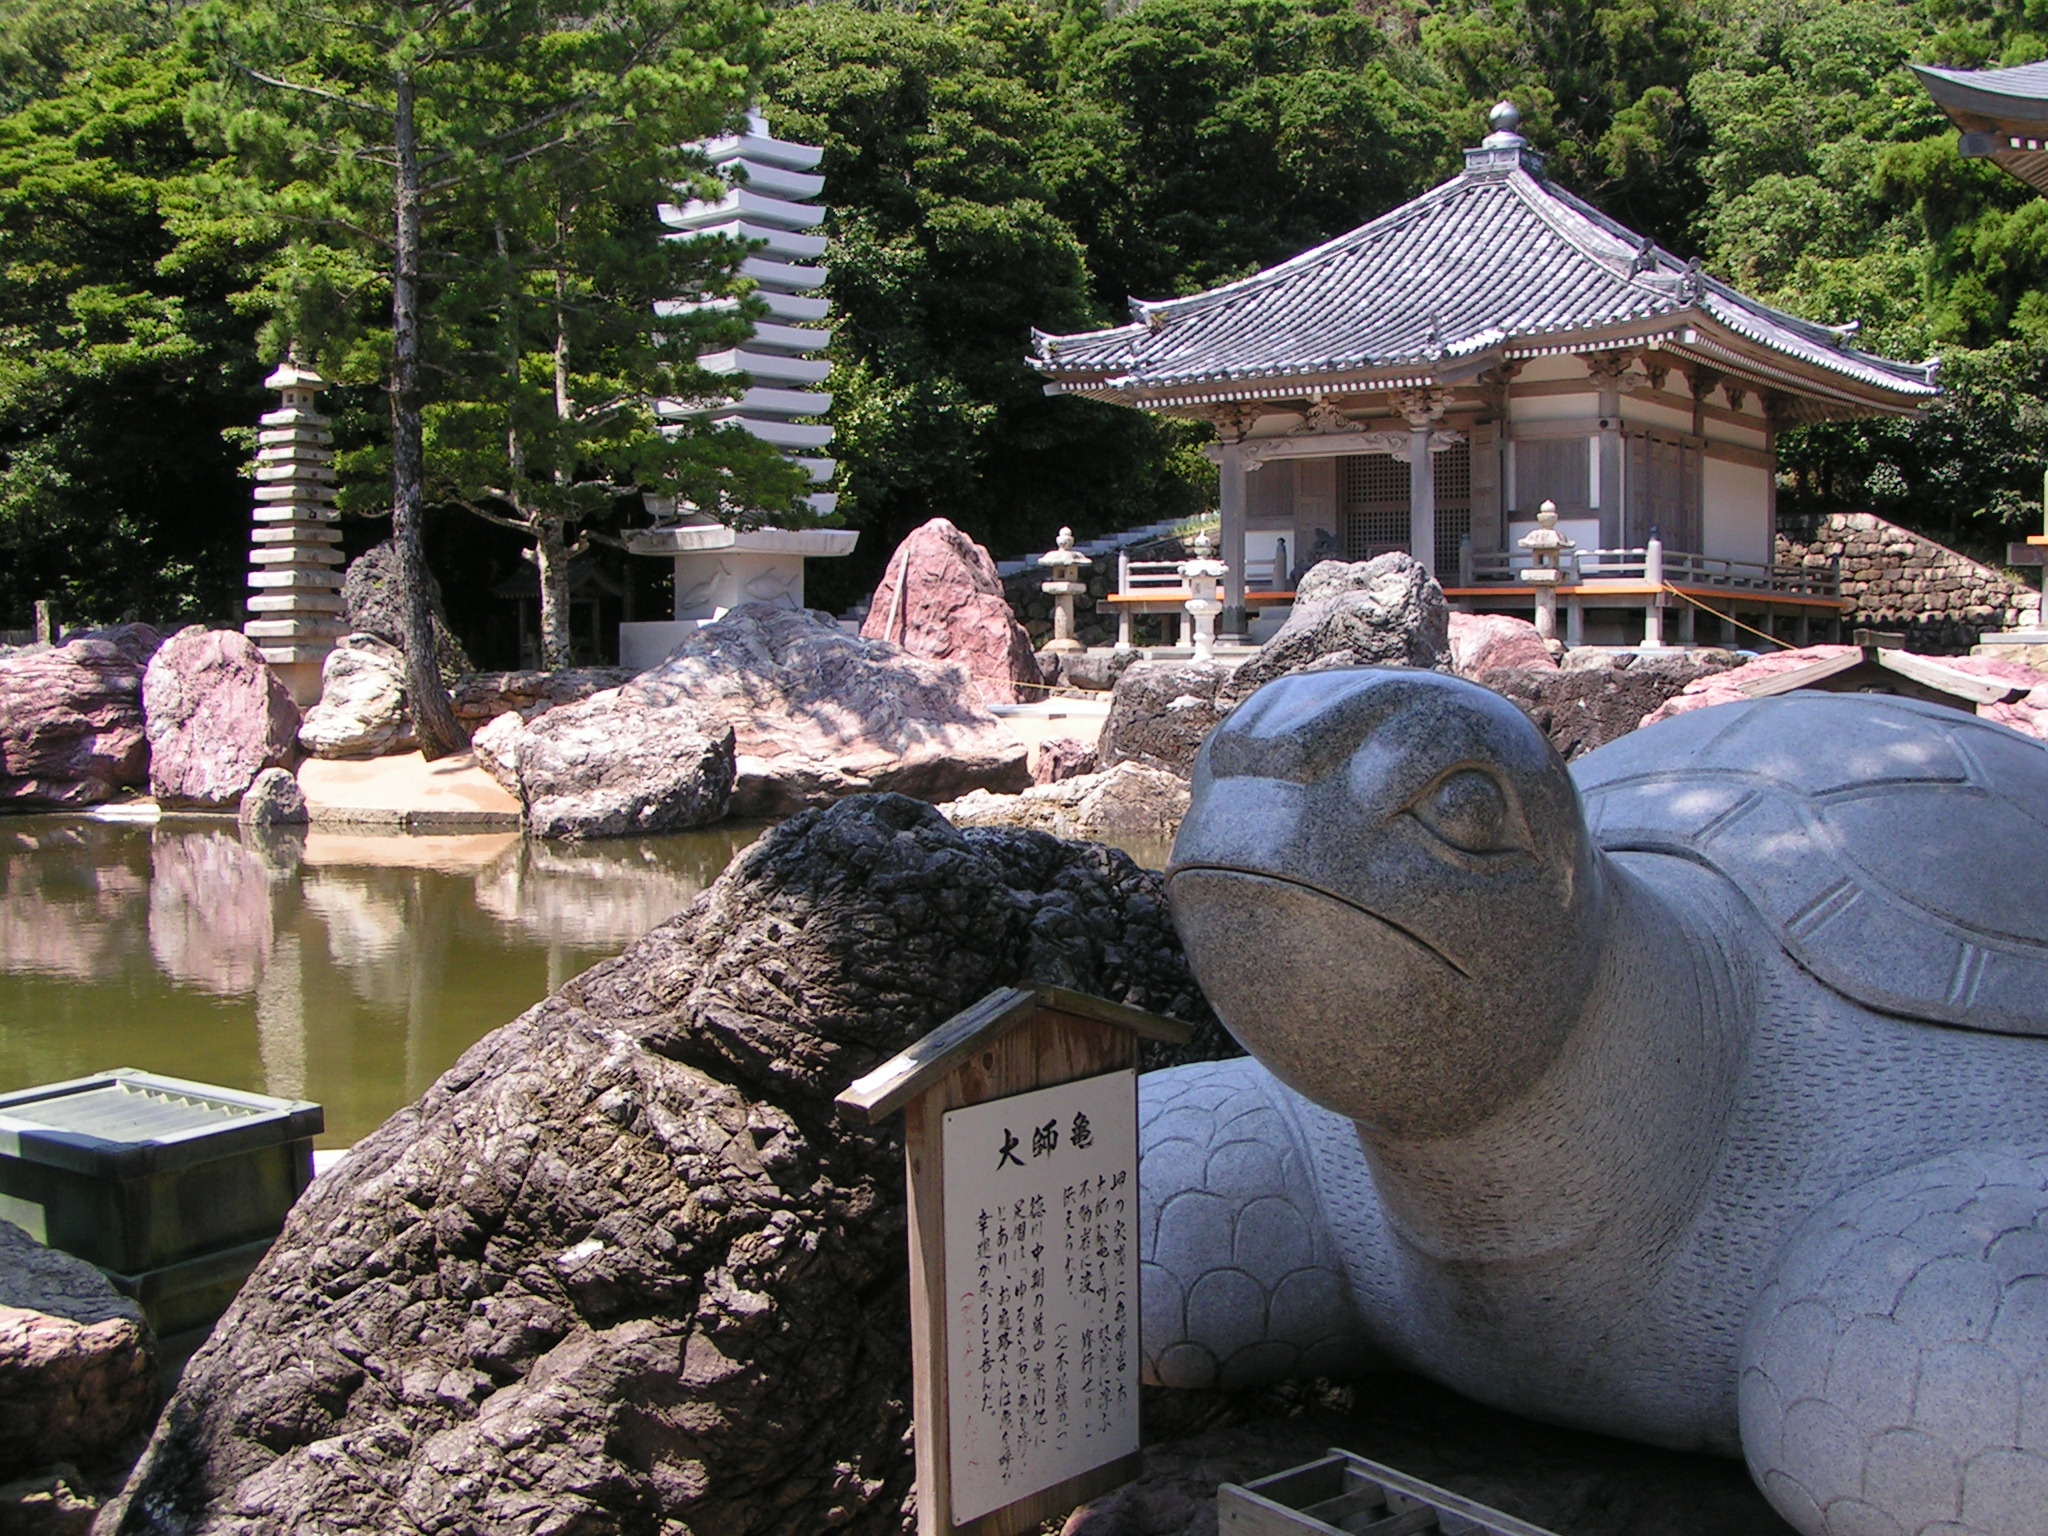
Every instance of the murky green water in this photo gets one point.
(348, 968)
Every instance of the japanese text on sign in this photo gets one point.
(1041, 1274)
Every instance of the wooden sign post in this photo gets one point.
(1020, 1136)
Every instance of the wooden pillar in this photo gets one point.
(1231, 512)
(1421, 496)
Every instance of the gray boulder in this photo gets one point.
(1161, 713)
(1598, 697)
(71, 720)
(362, 710)
(820, 714)
(274, 800)
(622, 1269)
(1384, 612)
(78, 1378)
(1096, 671)
(216, 716)
(369, 599)
(609, 768)
(1120, 804)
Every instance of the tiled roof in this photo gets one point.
(1496, 258)
(2003, 114)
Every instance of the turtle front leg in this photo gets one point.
(1895, 1365)
(1242, 1282)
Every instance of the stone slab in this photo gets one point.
(407, 792)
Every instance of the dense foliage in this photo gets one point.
(1003, 164)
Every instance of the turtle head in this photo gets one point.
(1387, 891)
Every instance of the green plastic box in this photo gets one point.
(174, 1188)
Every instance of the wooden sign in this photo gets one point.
(1021, 1145)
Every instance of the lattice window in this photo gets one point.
(1375, 491)
(1453, 506)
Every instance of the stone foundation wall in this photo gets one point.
(1904, 583)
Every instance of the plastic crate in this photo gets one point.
(168, 1186)
(1346, 1495)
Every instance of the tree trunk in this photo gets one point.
(433, 714)
(551, 554)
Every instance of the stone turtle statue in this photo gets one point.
(1696, 1094)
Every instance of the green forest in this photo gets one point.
(995, 165)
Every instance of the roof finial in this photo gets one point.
(1504, 118)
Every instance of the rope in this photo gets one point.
(1727, 618)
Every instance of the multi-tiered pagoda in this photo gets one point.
(1429, 381)
(772, 202)
(295, 555)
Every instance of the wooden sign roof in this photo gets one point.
(911, 1072)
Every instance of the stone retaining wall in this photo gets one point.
(1901, 582)
(1034, 609)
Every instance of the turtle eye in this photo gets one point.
(1467, 810)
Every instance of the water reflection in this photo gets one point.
(348, 968)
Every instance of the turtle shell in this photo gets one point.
(1898, 849)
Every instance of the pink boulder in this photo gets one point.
(71, 720)
(1060, 758)
(216, 717)
(950, 607)
(1485, 642)
(2027, 714)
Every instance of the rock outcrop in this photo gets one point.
(483, 696)
(607, 768)
(362, 710)
(1486, 642)
(941, 599)
(273, 800)
(1384, 612)
(369, 599)
(71, 720)
(1120, 804)
(1161, 713)
(621, 1269)
(1595, 698)
(820, 714)
(78, 1376)
(216, 716)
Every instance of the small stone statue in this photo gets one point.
(1697, 1094)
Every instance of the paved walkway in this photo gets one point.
(452, 794)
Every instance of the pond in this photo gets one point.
(351, 968)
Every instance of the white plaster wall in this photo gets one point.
(1581, 407)
(1735, 515)
(1654, 413)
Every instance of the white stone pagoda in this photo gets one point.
(295, 559)
(1429, 380)
(773, 199)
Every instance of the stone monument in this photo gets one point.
(1697, 1094)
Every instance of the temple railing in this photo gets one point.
(1675, 567)
(1138, 578)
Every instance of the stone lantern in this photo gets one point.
(1202, 575)
(1065, 584)
(1547, 548)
